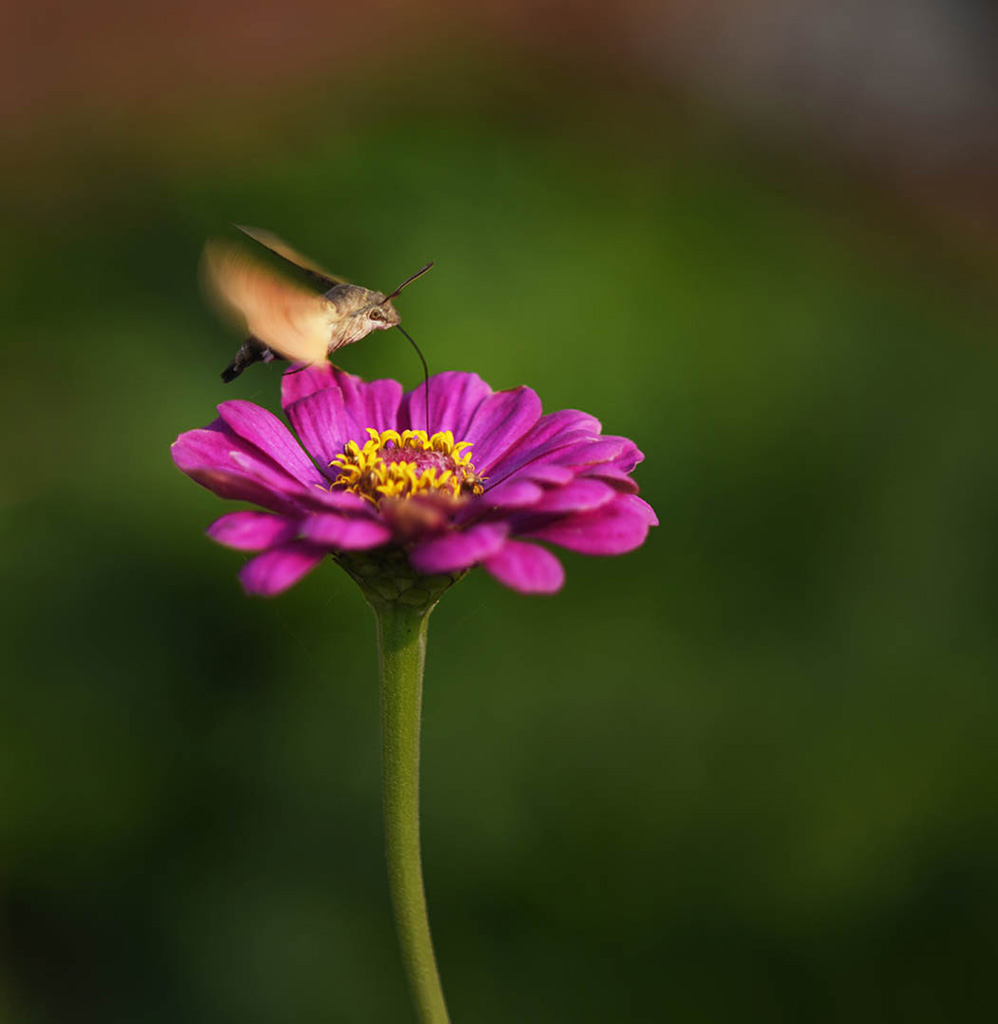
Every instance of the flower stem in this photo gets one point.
(402, 651)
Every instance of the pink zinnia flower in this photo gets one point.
(368, 484)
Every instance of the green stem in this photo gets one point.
(402, 651)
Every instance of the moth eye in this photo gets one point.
(376, 314)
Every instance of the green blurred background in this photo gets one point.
(747, 772)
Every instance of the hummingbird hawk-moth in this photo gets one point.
(301, 312)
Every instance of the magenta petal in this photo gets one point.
(324, 425)
(326, 419)
(549, 434)
(252, 531)
(557, 426)
(580, 495)
(217, 447)
(642, 506)
(617, 478)
(499, 423)
(458, 550)
(207, 447)
(366, 403)
(372, 404)
(208, 456)
(563, 462)
(618, 527)
(300, 382)
(279, 568)
(266, 432)
(341, 501)
(512, 494)
(546, 473)
(629, 456)
(592, 451)
(261, 469)
(236, 487)
(620, 452)
(527, 568)
(454, 398)
(345, 533)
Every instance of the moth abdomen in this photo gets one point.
(251, 351)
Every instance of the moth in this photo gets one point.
(300, 312)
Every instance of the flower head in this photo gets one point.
(371, 485)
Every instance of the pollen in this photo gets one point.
(400, 465)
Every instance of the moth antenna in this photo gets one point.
(426, 371)
(409, 280)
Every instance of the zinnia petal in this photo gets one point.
(325, 419)
(499, 422)
(630, 456)
(279, 568)
(266, 432)
(301, 381)
(252, 531)
(454, 399)
(341, 501)
(373, 403)
(592, 452)
(550, 434)
(512, 494)
(209, 456)
(527, 568)
(258, 467)
(617, 478)
(323, 424)
(209, 446)
(641, 505)
(560, 463)
(344, 532)
(581, 495)
(612, 530)
(452, 552)
(238, 488)
(218, 447)
(546, 473)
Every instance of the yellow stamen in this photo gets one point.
(390, 464)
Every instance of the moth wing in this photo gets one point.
(318, 275)
(287, 317)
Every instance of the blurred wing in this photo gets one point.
(318, 275)
(293, 321)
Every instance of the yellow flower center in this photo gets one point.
(394, 465)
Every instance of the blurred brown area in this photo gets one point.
(69, 61)
(901, 92)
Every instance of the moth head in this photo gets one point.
(382, 314)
